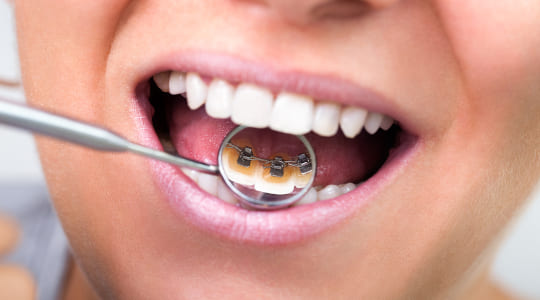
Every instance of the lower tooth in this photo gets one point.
(208, 183)
(194, 175)
(329, 192)
(224, 193)
(347, 187)
(215, 186)
(309, 197)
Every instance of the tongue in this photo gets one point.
(340, 160)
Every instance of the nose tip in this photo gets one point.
(306, 11)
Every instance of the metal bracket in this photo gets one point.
(277, 165)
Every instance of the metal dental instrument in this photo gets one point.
(84, 134)
(99, 138)
(253, 197)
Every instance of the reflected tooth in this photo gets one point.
(326, 119)
(251, 106)
(309, 197)
(373, 122)
(196, 91)
(208, 183)
(224, 193)
(237, 173)
(219, 100)
(301, 180)
(386, 122)
(267, 183)
(162, 81)
(347, 187)
(177, 83)
(292, 114)
(329, 192)
(352, 120)
(194, 175)
(274, 185)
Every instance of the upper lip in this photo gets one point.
(277, 227)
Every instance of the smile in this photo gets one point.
(190, 109)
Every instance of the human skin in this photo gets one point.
(466, 73)
(15, 281)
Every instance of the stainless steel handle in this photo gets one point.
(85, 134)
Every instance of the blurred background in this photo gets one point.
(517, 265)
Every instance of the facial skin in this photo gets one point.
(466, 73)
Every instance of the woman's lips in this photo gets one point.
(268, 228)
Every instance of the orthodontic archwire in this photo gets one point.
(276, 165)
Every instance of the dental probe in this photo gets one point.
(85, 134)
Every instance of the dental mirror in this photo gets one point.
(264, 169)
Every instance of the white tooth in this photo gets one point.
(177, 83)
(219, 100)
(347, 187)
(309, 197)
(224, 193)
(196, 91)
(352, 120)
(329, 192)
(194, 175)
(326, 119)
(265, 183)
(162, 81)
(292, 114)
(252, 106)
(208, 183)
(386, 123)
(264, 186)
(239, 177)
(373, 122)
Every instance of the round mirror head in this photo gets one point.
(266, 169)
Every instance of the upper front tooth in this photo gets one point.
(219, 101)
(251, 106)
(373, 122)
(292, 114)
(326, 119)
(162, 81)
(386, 122)
(352, 120)
(196, 91)
(177, 83)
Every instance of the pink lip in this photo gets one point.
(261, 227)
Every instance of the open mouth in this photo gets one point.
(193, 114)
(358, 149)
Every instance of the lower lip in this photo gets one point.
(279, 227)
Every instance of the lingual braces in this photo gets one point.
(276, 165)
